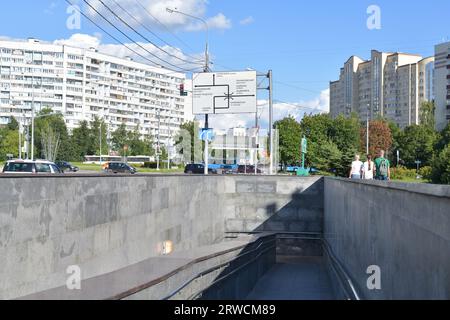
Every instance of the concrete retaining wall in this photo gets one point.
(103, 224)
(402, 228)
(99, 223)
(274, 204)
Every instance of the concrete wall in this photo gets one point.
(103, 224)
(402, 228)
(274, 204)
(99, 223)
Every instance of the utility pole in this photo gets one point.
(100, 143)
(271, 120)
(32, 119)
(368, 129)
(157, 144)
(20, 139)
(206, 69)
(168, 143)
(256, 140)
(269, 76)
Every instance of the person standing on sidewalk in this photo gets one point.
(383, 167)
(355, 172)
(368, 171)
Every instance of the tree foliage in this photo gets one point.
(441, 167)
(130, 143)
(290, 136)
(47, 119)
(187, 138)
(380, 137)
(427, 117)
(417, 143)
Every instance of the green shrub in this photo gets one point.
(426, 172)
(150, 165)
(441, 167)
(402, 173)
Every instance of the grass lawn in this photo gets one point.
(411, 180)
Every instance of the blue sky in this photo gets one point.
(304, 42)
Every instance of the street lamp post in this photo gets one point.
(101, 123)
(206, 69)
(368, 129)
(158, 146)
(32, 119)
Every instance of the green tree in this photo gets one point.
(417, 143)
(138, 146)
(345, 134)
(444, 139)
(130, 143)
(119, 139)
(290, 136)
(98, 128)
(427, 117)
(13, 124)
(81, 140)
(190, 131)
(9, 143)
(46, 119)
(441, 167)
(324, 156)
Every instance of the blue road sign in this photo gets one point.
(206, 134)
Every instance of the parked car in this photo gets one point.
(194, 168)
(31, 167)
(119, 167)
(228, 169)
(247, 170)
(67, 166)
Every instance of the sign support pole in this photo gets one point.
(206, 155)
(271, 120)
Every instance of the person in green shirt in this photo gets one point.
(383, 167)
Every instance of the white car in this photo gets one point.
(31, 167)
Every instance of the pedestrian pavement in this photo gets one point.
(299, 279)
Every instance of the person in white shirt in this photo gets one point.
(356, 171)
(368, 170)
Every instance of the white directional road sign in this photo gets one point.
(224, 92)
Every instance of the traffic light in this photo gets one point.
(182, 92)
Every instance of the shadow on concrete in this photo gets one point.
(295, 269)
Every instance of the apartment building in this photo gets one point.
(82, 84)
(442, 84)
(391, 85)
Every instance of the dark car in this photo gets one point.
(31, 167)
(67, 166)
(119, 167)
(197, 169)
(248, 170)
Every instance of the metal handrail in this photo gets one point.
(343, 278)
(340, 270)
(215, 268)
(194, 296)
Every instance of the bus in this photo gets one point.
(131, 159)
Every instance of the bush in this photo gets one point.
(150, 165)
(426, 172)
(403, 173)
(441, 167)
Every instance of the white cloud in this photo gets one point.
(247, 21)
(320, 104)
(80, 40)
(218, 22)
(152, 9)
